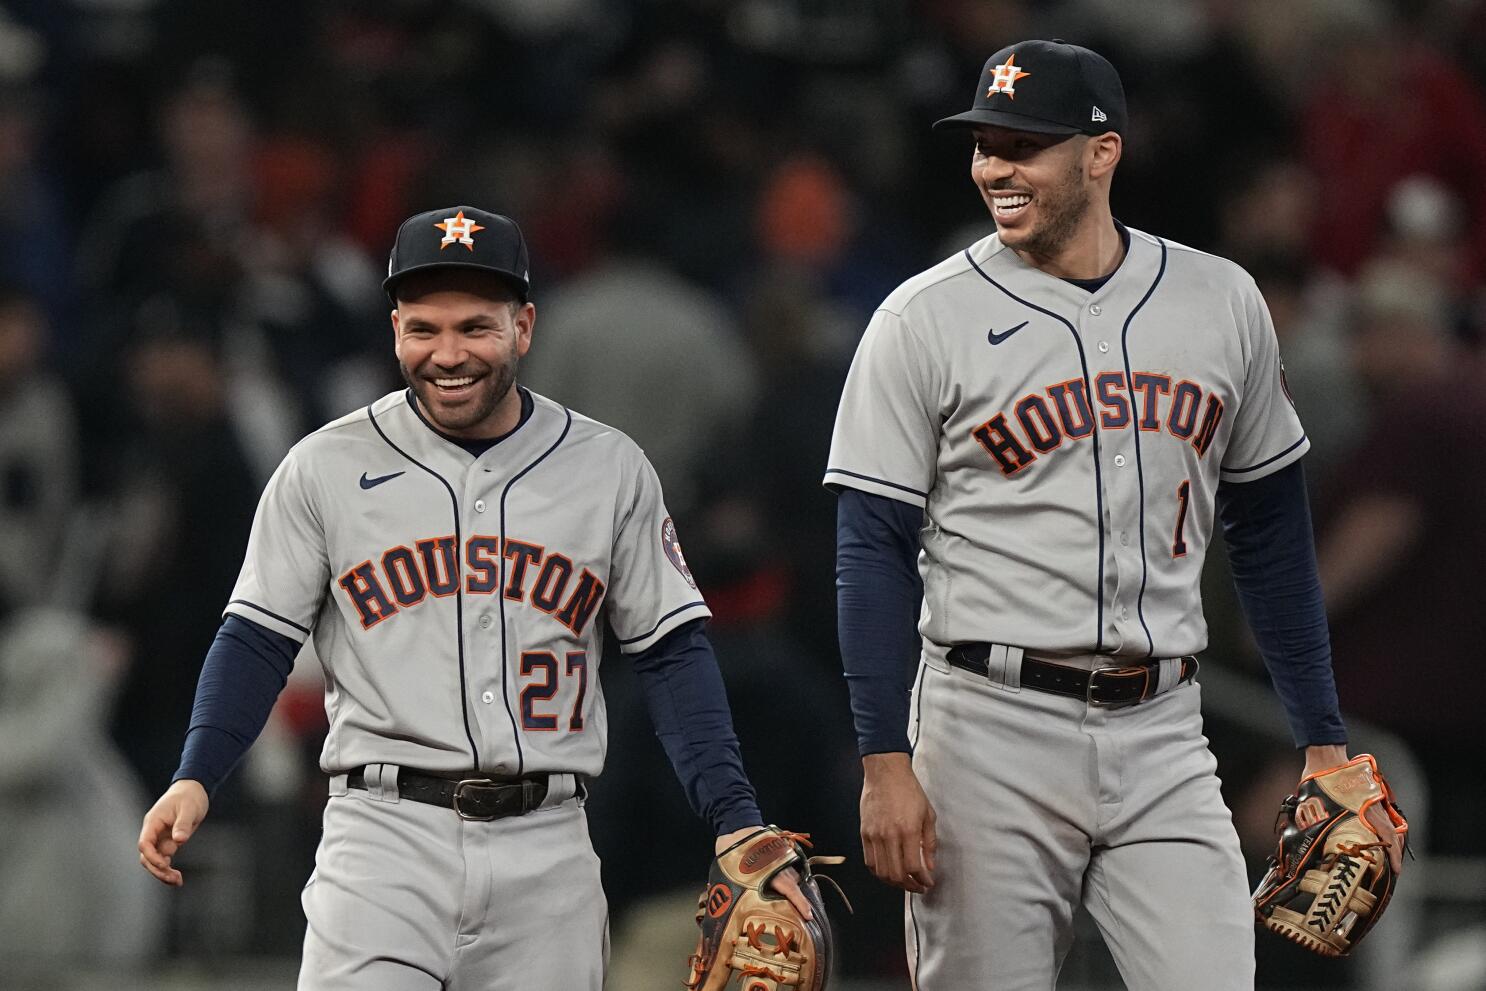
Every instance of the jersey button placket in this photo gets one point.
(1121, 499)
(480, 505)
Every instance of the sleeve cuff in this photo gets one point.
(682, 614)
(255, 613)
(885, 745)
(1269, 465)
(843, 479)
(741, 817)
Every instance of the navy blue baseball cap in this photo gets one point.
(1050, 87)
(460, 237)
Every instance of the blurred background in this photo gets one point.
(196, 201)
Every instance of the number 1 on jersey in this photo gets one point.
(1183, 496)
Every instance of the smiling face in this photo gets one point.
(1037, 186)
(459, 337)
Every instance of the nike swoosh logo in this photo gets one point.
(371, 483)
(996, 338)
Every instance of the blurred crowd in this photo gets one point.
(196, 201)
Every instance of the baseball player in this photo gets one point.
(454, 550)
(1047, 422)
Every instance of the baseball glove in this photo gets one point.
(1330, 879)
(751, 933)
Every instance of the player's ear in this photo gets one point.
(1103, 154)
(396, 332)
(526, 319)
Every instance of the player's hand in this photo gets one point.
(168, 825)
(898, 839)
(786, 882)
(1322, 758)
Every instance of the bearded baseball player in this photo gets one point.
(1046, 424)
(454, 550)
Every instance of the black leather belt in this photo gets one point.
(480, 799)
(1112, 688)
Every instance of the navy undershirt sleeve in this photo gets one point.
(688, 704)
(1267, 525)
(244, 672)
(878, 594)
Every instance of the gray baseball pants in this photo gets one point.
(410, 897)
(1046, 802)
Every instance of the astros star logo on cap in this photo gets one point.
(458, 230)
(1004, 77)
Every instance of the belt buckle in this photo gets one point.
(1091, 699)
(459, 789)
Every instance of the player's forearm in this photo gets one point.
(1267, 526)
(244, 671)
(878, 593)
(688, 704)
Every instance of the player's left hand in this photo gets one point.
(786, 883)
(1319, 759)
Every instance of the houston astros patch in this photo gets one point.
(672, 545)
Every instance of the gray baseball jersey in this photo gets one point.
(456, 602)
(1066, 446)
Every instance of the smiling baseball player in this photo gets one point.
(454, 550)
(1048, 422)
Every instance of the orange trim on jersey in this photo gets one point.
(577, 720)
(1119, 401)
(1183, 507)
(984, 435)
(1212, 415)
(482, 565)
(416, 589)
(447, 555)
(1176, 400)
(529, 698)
(1059, 393)
(1031, 402)
(554, 596)
(521, 554)
(1152, 386)
(364, 576)
(583, 603)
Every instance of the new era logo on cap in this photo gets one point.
(1099, 116)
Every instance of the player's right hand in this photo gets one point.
(168, 825)
(898, 839)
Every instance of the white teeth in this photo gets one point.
(454, 383)
(1008, 204)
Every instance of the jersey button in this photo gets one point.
(487, 697)
(1103, 347)
(1095, 309)
(479, 505)
(1119, 461)
(1125, 537)
(485, 622)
